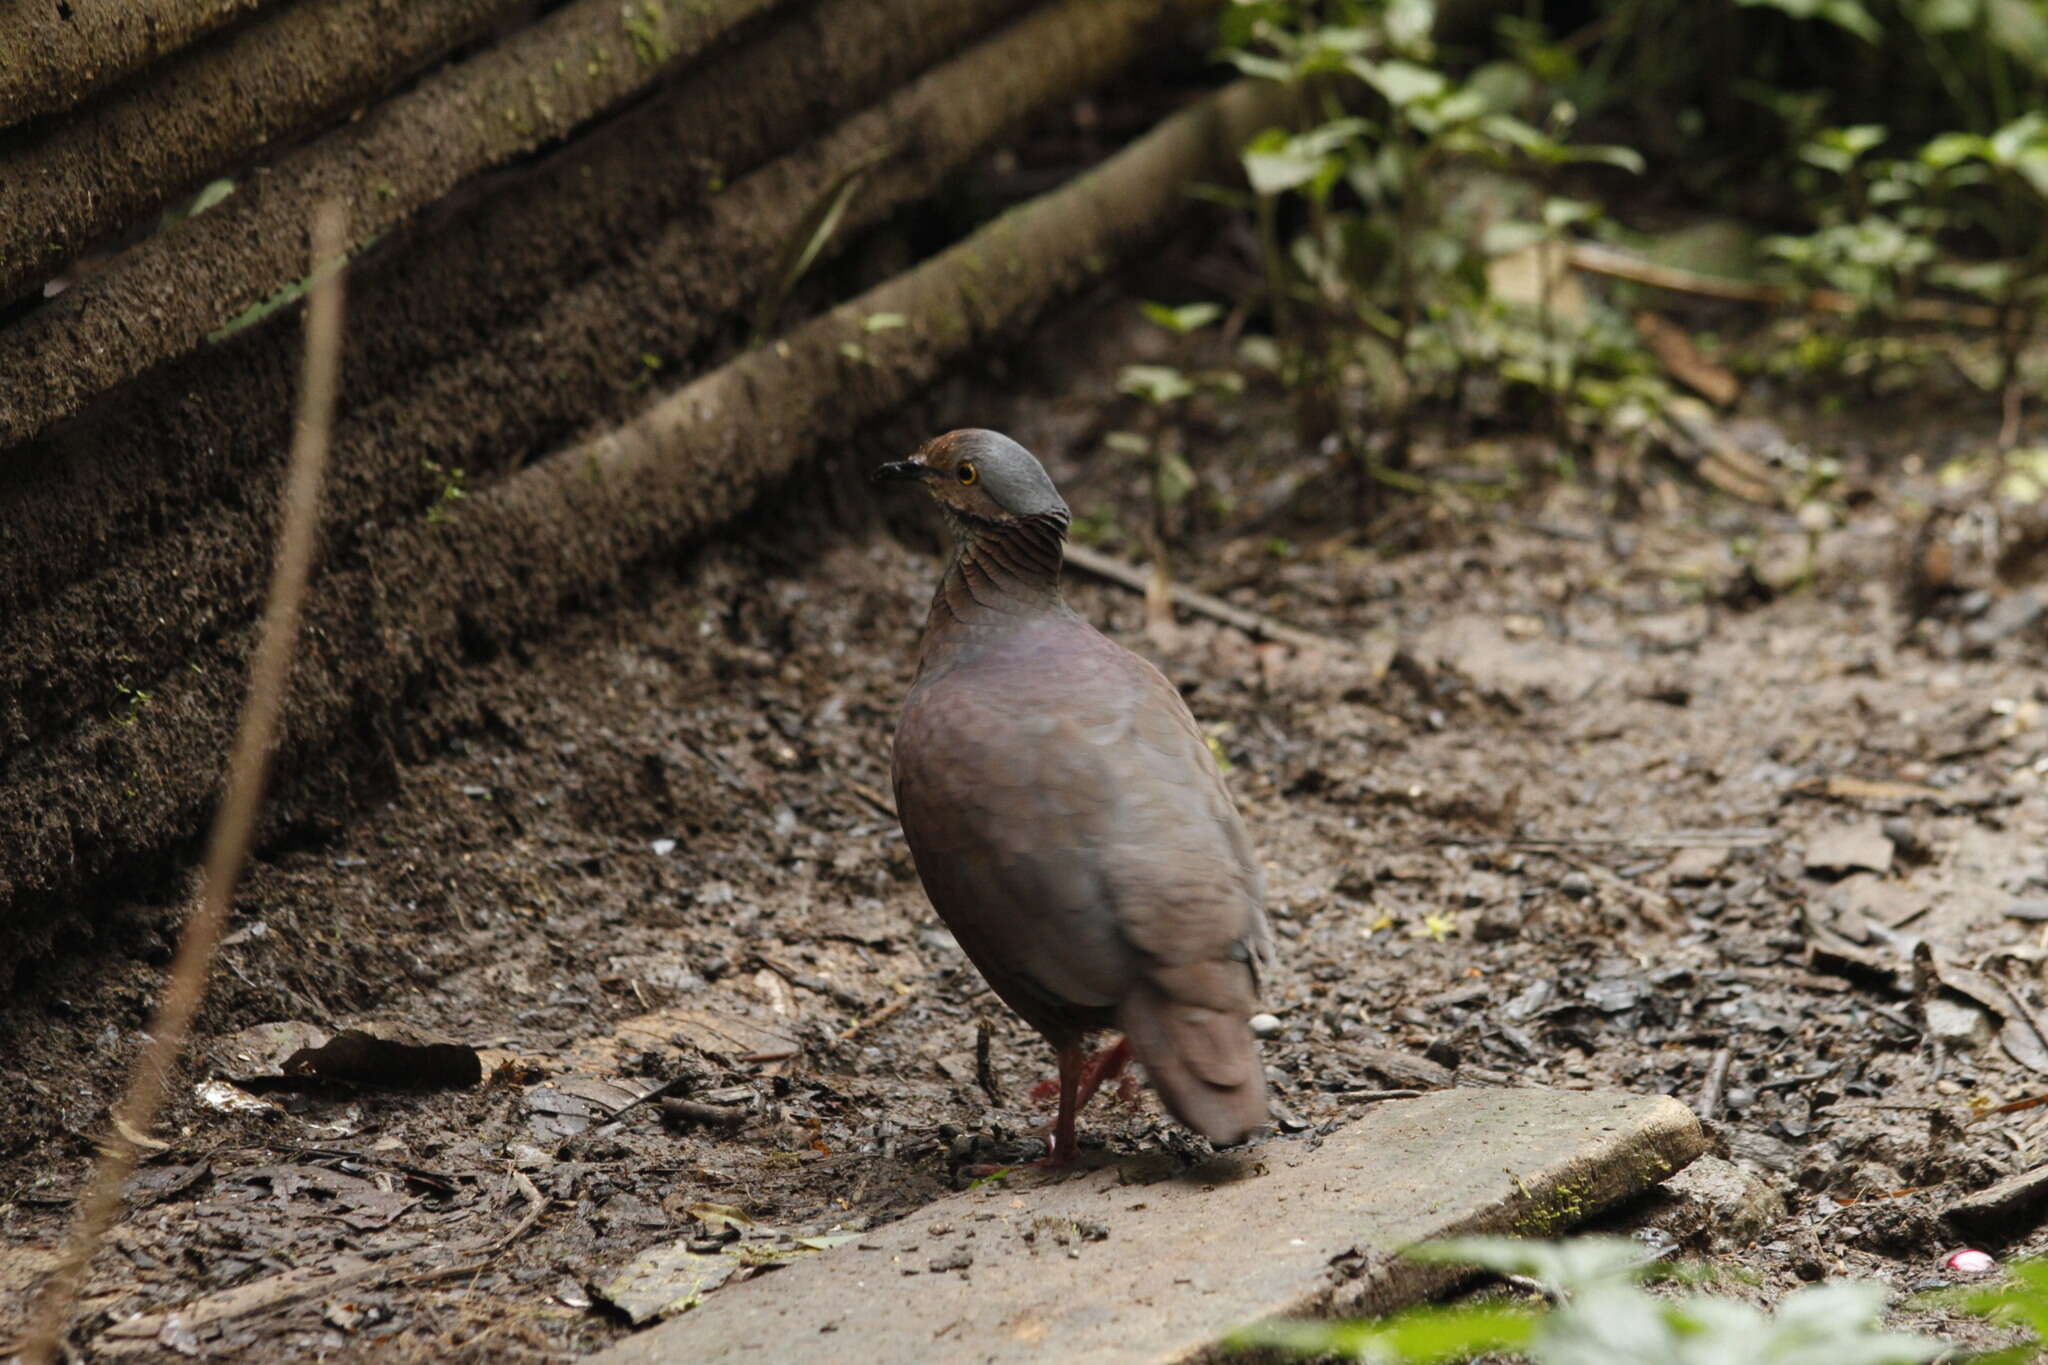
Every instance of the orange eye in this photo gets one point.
(967, 473)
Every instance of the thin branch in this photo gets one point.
(1709, 1103)
(1254, 623)
(1595, 259)
(234, 823)
(880, 1016)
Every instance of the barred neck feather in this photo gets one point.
(1010, 568)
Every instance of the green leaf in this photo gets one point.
(1156, 384)
(1276, 163)
(2023, 1299)
(1952, 148)
(212, 193)
(1506, 236)
(1567, 1267)
(883, 322)
(1408, 24)
(1402, 84)
(1839, 149)
(1259, 67)
(2006, 145)
(1949, 16)
(1850, 15)
(1503, 85)
(1836, 1324)
(2032, 166)
(1189, 317)
(1260, 352)
(1418, 1336)
(1559, 214)
(1172, 479)
(1844, 14)
(1627, 158)
(808, 240)
(2021, 28)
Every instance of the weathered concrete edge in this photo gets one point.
(1547, 1202)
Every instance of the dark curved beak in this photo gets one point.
(902, 471)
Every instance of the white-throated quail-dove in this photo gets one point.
(1066, 815)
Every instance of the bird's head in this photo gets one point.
(982, 479)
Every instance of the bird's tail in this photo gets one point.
(1188, 1025)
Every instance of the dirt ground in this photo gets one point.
(1554, 809)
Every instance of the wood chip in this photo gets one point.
(1675, 351)
(140, 1333)
(1850, 848)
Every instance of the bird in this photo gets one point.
(1067, 817)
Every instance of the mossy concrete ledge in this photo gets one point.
(1136, 1261)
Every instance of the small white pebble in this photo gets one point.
(663, 847)
(1265, 1025)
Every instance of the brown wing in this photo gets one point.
(1070, 826)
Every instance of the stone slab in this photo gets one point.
(1135, 1261)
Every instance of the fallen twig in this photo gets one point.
(1370, 1096)
(685, 1113)
(234, 825)
(451, 1272)
(1254, 623)
(617, 1120)
(1655, 905)
(873, 798)
(880, 1016)
(2017, 1106)
(1731, 838)
(537, 1205)
(1595, 259)
(984, 1060)
(1709, 1103)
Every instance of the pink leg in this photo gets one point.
(1065, 1147)
(1081, 1075)
(1105, 1065)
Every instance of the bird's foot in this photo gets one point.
(1103, 1064)
(1053, 1160)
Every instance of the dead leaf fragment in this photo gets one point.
(1675, 351)
(1842, 788)
(667, 1280)
(145, 1331)
(1697, 866)
(360, 1058)
(259, 1053)
(1862, 846)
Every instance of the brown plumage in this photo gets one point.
(1066, 816)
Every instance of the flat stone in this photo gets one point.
(1138, 1260)
(1961, 1027)
(2005, 1211)
(1713, 1205)
(1697, 866)
(1866, 896)
(1859, 847)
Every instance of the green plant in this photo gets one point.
(133, 701)
(1367, 273)
(1162, 389)
(1599, 1314)
(449, 489)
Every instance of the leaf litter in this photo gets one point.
(1432, 930)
